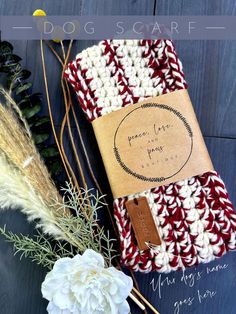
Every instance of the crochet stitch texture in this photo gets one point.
(194, 217)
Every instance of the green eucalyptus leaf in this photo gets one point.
(8, 67)
(55, 167)
(23, 74)
(40, 138)
(12, 83)
(35, 95)
(12, 78)
(39, 124)
(23, 88)
(30, 123)
(49, 152)
(5, 47)
(34, 98)
(41, 121)
(9, 58)
(29, 112)
(24, 102)
(29, 100)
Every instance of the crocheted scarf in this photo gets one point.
(194, 217)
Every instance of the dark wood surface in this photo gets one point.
(210, 68)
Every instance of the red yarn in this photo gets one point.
(195, 226)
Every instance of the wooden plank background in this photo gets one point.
(210, 68)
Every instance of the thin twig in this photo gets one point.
(65, 156)
(55, 53)
(63, 49)
(67, 105)
(146, 301)
(136, 285)
(67, 101)
(140, 305)
(63, 126)
(50, 111)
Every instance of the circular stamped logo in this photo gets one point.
(153, 142)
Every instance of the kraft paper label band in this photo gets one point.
(154, 142)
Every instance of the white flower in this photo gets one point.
(81, 285)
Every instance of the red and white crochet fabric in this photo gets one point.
(195, 217)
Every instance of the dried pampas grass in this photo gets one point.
(16, 192)
(24, 180)
(17, 145)
(26, 184)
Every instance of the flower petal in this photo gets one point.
(81, 285)
(92, 256)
